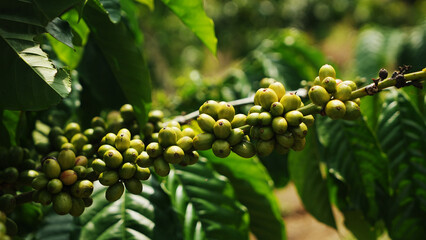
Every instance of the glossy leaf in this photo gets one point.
(402, 132)
(254, 189)
(145, 216)
(51, 9)
(306, 174)
(30, 80)
(61, 31)
(277, 167)
(192, 14)
(124, 58)
(206, 203)
(55, 227)
(353, 156)
(111, 8)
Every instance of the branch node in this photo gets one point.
(372, 89)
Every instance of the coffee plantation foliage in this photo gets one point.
(118, 122)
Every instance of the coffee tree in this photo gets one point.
(83, 154)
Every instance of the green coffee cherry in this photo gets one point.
(55, 132)
(87, 201)
(127, 113)
(148, 129)
(221, 148)
(279, 125)
(133, 185)
(51, 168)
(142, 173)
(144, 160)
(185, 143)
(308, 120)
(326, 71)
(167, 137)
(222, 128)
(58, 142)
(294, 118)
(161, 167)
(79, 140)
(81, 161)
(290, 101)
(300, 131)
(109, 139)
(257, 96)
(329, 84)
(318, 95)
(99, 165)
(203, 141)
(286, 139)
(239, 120)
(44, 197)
(265, 118)
(27, 176)
(88, 150)
(357, 101)
(189, 132)
(266, 133)
(267, 97)
(351, 84)
(62, 203)
(103, 149)
(122, 141)
(130, 155)
(114, 192)
(277, 109)
(97, 122)
(82, 189)
(244, 149)
(77, 207)
(81, 171)
(193, 157)
(71, 129)
(256, 109)
(155, 116)
(253, 119)
(265, 148)
(335, 109)
(68, 146)
(154, 149)
(278, 88)
(158, 126)
(226, 111)
(206, 122)
(40, 182)
(255, 132)
(127, 170)
(11, 174)
(173, 154)
(108, 178)
(7, 203)
(113, 158)
(265, 82)
(91, 174)
(299, 144)
(138, 145)
(352, 111)
(317, 81)
(281, 149)
(235, 137)
(68, 177)
(343, 92)
(55, 186)
(66, 159)
(211, 108)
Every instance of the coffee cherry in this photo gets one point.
(226, 111)
(154, 149)
(277, 109)
(44, 197)
(211, 108)
(343, 92)
(79, 140)
(329, 84)
(173, 154)
(266, 133)
(290, 102)
(351, 84)
(278, 88)
(127, 170)
(265, 118)
(335, 109)
(267, 97)
(299, 144)
(130, 155)
(114, 192)
(144, 160)
(62, 203)
(97, 122)
(113, 158)
(294, 118)
(308, 120)
(82, 189)
(281, 149)
(68, 177)
(300, 131)
(122, 141)
(318, 95)
(138, 145)
(256, 109)
(7, 203)
(244, 149)
(206, 122)
(265, 148)
(203, 141)
(185, 143)
(99, 165)
(66, 159)
(279, 125)
(189, 132)
(286, 139)
(167, 137)
(77, 207)
(265, 82)
(317, 81)
(71, 129)
(133, 185)
(127, 113)
(103, 149)
(253, 119)
(142, 173)
(221, 148)
(161, 167)
(40, 182)
(51, 168)
(108, 178)
(81, 161)
(235, 137)
(68, 146)
(352, 111)
(155, 116)
(80, 171)
(222, 128)
(326, 71)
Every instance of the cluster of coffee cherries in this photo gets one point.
(276, 124)
(118, 165)
(66, 182)
(334, 95)
(7, 226)
(222, 130)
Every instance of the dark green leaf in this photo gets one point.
(8, 123)
(305, 172)
(276, 165)
(254, 189)
(192, 14)
(402, 134)
(354, 157)
(30, 81)
(111, 8)
(54, 8)
(61, 31)
(206, 203)
(145, 216)
(124, 58)
(55, 227)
